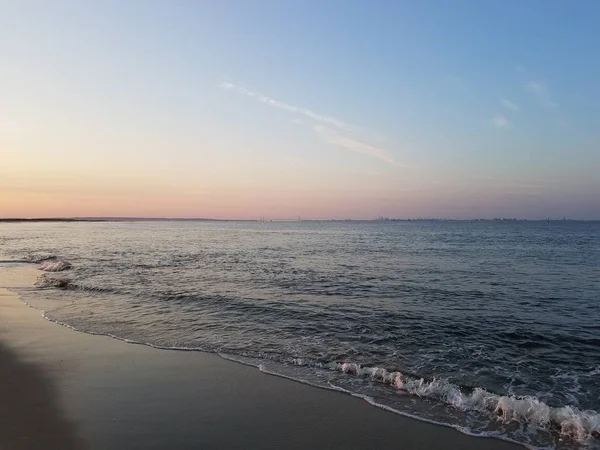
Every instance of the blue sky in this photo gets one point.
(321, 109)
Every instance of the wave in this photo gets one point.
(370, 400)
(14, 261)
(46, 281)
(47, 263)
(54, 264)
(569, 421)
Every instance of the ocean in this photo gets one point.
(491, 327)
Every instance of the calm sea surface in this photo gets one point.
(491, 327)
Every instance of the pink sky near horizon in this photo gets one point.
(251, 202)
(213, 184)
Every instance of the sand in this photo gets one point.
(62, 389)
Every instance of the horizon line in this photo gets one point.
(263, 219)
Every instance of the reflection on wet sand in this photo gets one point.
(30, 413)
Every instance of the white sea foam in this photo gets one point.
(44, 281)
(54, 265)
(60, 282)
(567, 420)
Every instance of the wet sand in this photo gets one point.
(62, 389)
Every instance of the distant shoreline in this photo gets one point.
(115, 219)
(167, 219)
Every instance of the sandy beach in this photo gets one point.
(62, 389)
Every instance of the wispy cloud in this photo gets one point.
(509, 105)
(285, 106)
(330, 129)
(334, 137)
(501, 122)
(542, 92)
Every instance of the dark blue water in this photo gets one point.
(493, 327)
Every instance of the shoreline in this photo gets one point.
(107, 394)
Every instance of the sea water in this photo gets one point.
(492, 327)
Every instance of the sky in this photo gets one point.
(318, 109)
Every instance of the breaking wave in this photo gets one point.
(569, 421)
(47, 263)
(54, 264)
(44, 281)
(47, 281)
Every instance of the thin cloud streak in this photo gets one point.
(333, 137)
(541, 91)
(287, 107)
(509, 105)
(501, 122)
(327, 128)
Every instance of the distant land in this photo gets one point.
(200, 219)
(115, 219)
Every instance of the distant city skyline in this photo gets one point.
(265, 219)
(322, 110)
